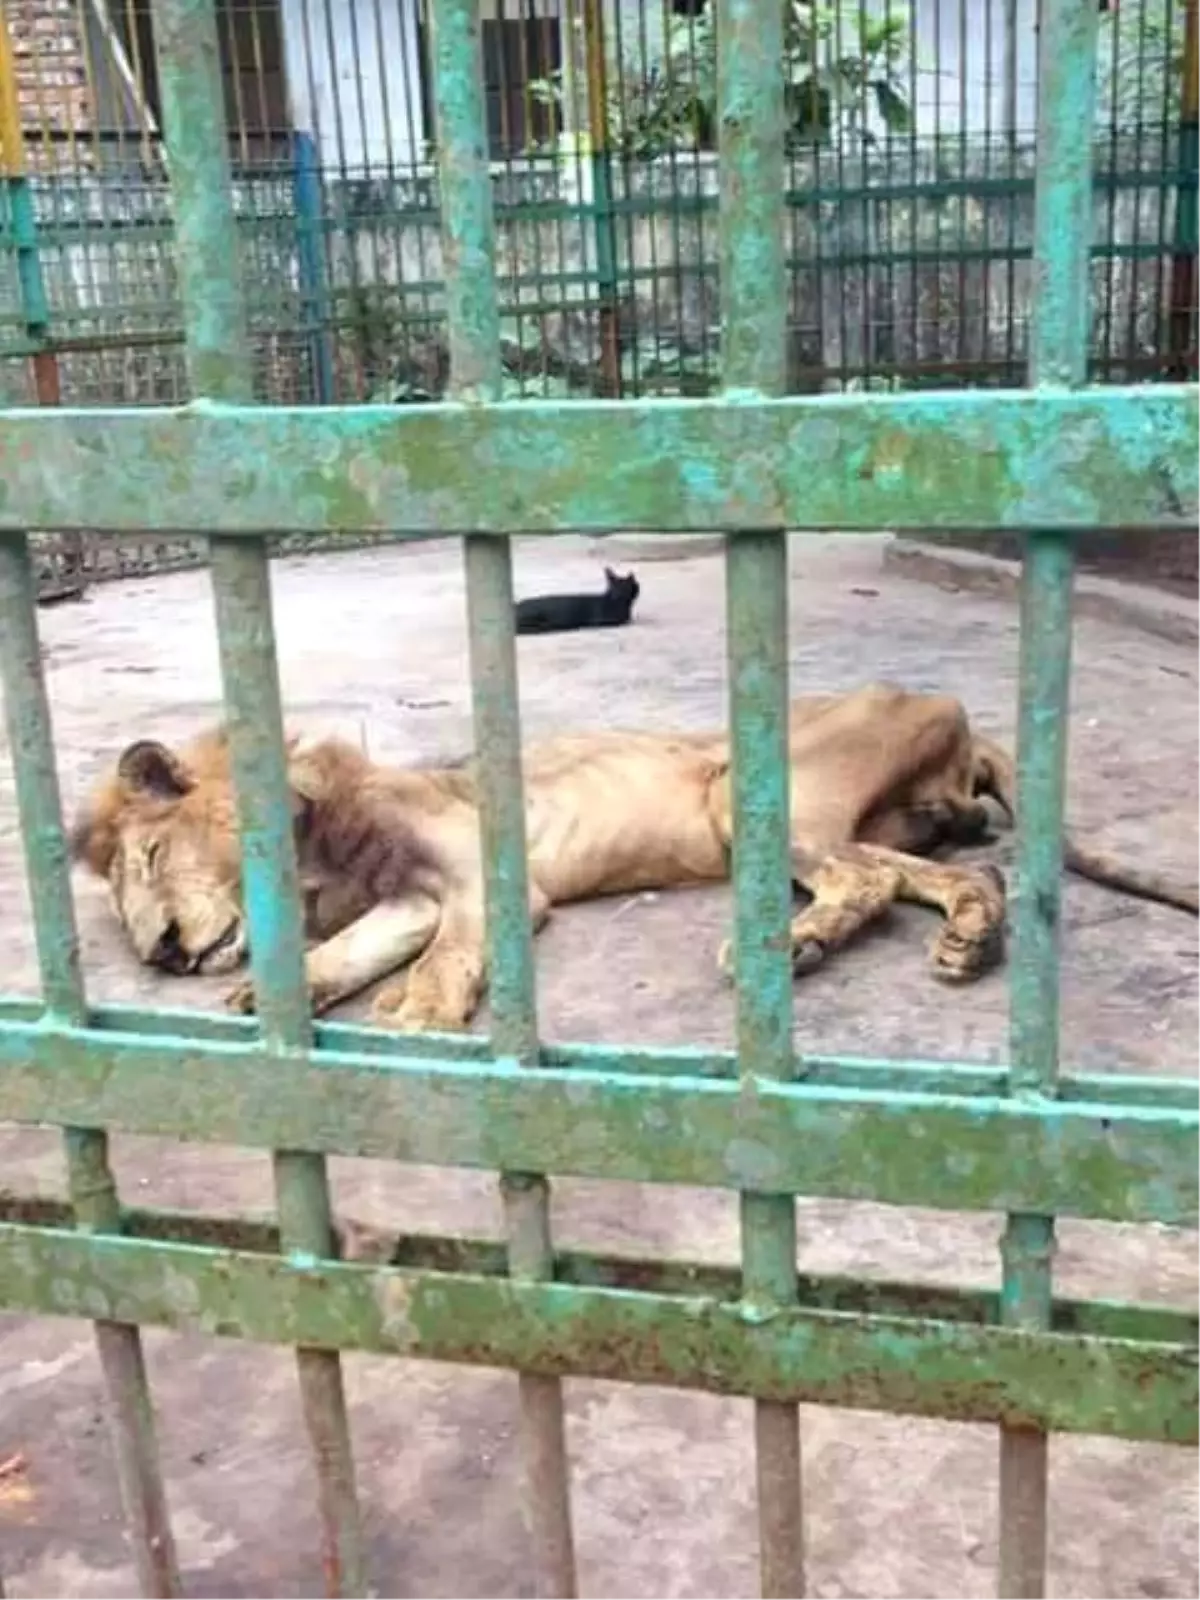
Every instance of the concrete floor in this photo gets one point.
(372, 644)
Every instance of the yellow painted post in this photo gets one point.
(16, 202)
(12, 145)
(23, 223)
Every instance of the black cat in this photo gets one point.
(562, 613)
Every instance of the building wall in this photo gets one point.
(354, 78)
(976, 66)
(51, 74)
(353, 71)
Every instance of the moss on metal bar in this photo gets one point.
(918, 1367)
(1120, 457)
(827, 1072)
(1058, 339)
(439, 1253)
(1121, 1163)
(754, 295)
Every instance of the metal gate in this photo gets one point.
(1054, 461)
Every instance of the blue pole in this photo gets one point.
(306, 188)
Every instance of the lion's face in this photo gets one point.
(177, 894)
(164, 837)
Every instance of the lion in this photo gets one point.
(885, 783)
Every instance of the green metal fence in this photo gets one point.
(908, 267)
(909, 155)
(1054, 461)
(909, 171)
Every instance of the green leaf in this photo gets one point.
(546, 91)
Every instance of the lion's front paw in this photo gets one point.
(417, 1015)
(956, 959)
(240, 999)
(973, 940)
(807, 956)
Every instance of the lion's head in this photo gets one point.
(162, 832)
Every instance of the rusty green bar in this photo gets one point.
(1083, 1158)
(475, 376)
(1087, 461)
(920, 1366)
(1063, 225)
(753, 283)
(39, 807)
(952, 1078)
(219, 368)
(92, 1186)
(469, 255)
(477, 1257)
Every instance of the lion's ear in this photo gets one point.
(149, 768)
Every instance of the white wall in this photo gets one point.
(963, 65)
(354, 76)
(353, 67)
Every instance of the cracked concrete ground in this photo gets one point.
(373, 642)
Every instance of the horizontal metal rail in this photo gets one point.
(995, 459)
(926, 1367)
(962, 1078)
(1121, 1163)
(478, 1257)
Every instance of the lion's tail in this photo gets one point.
(996, 775)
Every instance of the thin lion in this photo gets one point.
(390, 864)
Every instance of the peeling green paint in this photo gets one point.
(1116, 1162)
(1102, 458)
(962, 1371)
(487, 1258)
(1058, 338)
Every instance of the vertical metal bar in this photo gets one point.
(754, 358)
(219, 368)
(35, 303)
(12, 136)
(22, 219)
(596, 57)
(92, 1185)
(1181, 336)
(468, 251)
(306, 191)
(1058, 358)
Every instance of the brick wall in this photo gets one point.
(52, 81)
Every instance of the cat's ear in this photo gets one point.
(610, 577)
